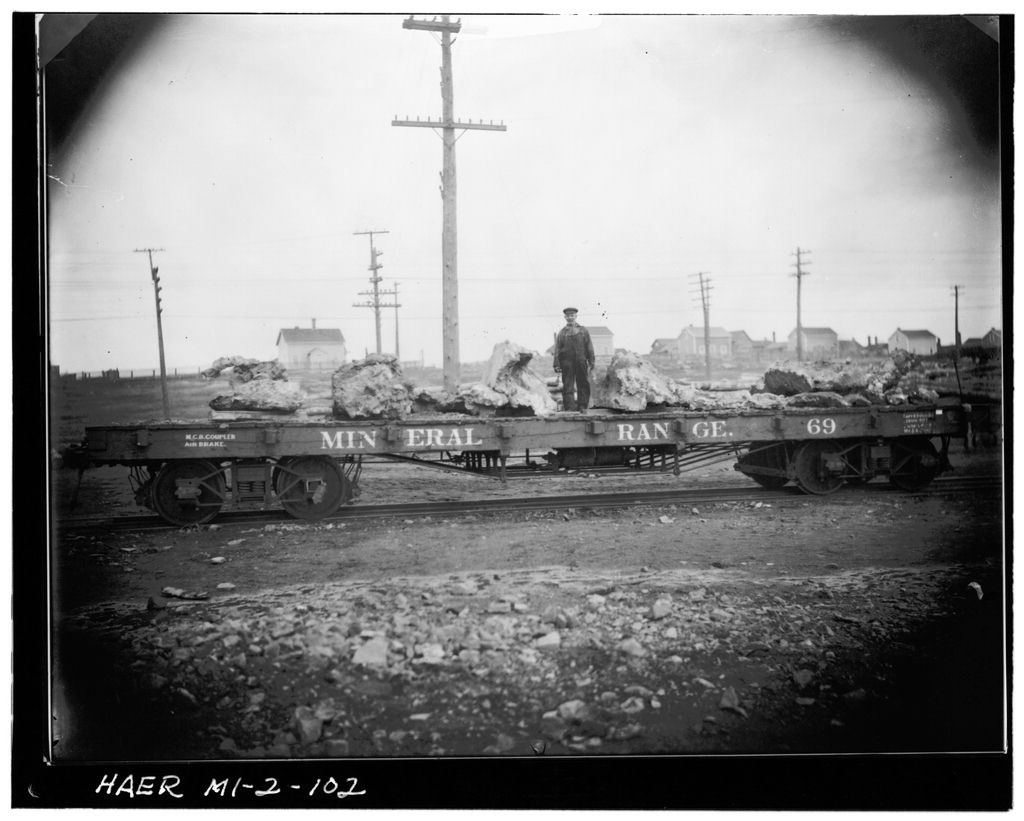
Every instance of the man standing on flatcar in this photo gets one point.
(574, 359)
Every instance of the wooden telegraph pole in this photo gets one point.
(800, 274)
(375, 279)
(449, 247)
(154, 273)
(957, 289)
(705, 301)
(396, 305)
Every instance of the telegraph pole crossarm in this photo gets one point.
(443, 25)
(154, 273)
(480, 125)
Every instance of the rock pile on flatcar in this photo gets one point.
(898, 380)
(508, 387)
(226, 363)
(263, 396)
(634, 384)
(371, 388)
(239, 370)
(374, 388)
(256, 386)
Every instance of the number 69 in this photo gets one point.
(816, 426)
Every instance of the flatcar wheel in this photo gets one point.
(311, 487)
(766, 457)
(813, 473)
(915, 462)
(188, 492)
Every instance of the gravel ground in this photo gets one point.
(839, 624)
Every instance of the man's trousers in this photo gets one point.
(575, 384)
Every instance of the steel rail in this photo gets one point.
(681, 496)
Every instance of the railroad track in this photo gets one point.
(682, 496)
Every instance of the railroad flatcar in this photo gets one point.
(188, 471)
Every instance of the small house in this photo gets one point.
(993, 339)
(665, 349)
(922, 343)
(602, 339)
(311, 348)
(851, 348)
(815, 342)
(742, 344)
(989, 346)
(692, 342)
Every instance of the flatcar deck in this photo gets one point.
(143, 442)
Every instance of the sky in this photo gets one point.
(641, 151)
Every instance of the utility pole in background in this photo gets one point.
(394, 292)
(375, 279)
(705, 300)
(956, 317)
(449, 244)
(800, 274)
(154, 272)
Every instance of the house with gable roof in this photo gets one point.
(312, 348)
(692, 344)
(922, 343)
(817, 342)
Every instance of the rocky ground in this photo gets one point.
(843, 624)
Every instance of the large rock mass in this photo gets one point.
(265, 395)
(222, 363)
(509, 386)
(869, 379)
(260, 370)
(255, 386)
(898, 380)
(371, 388)
(239, 369)
(438, 400)
(633, 384)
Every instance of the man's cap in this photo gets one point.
(570, 311)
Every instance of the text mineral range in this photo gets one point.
(445, 438)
